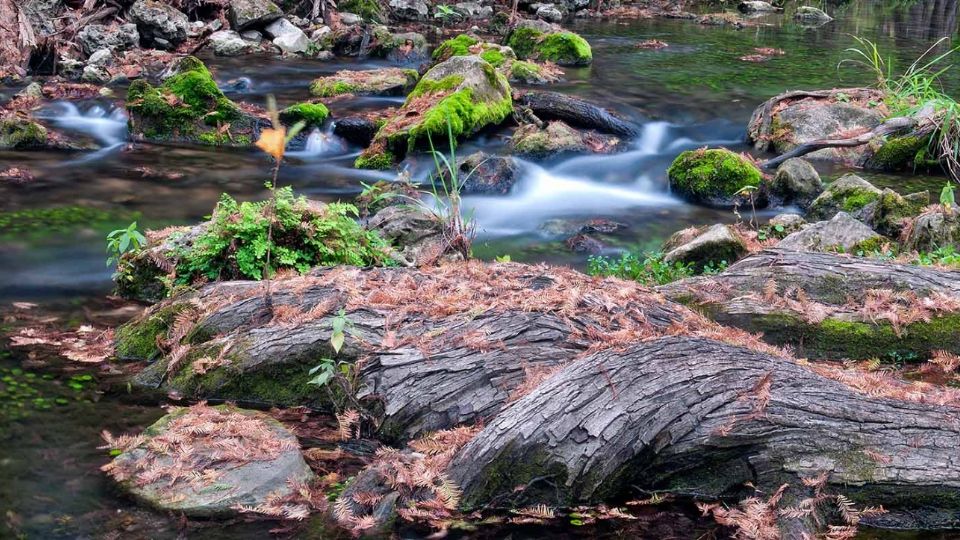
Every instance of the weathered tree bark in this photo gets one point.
(418, 371)
(17, 38)
(820, 304)
(697, 417)
(574, 111)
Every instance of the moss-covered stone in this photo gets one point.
(563, 48)
(850, 194)
(187, 107)
(458, 46)
(375, 159)
(311, 114)
(465, 92)
(898, 153)
(891, 211)
(385, 81)
(21, 134)
(525, 72)
(712, 176)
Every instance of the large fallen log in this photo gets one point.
(832, 306)
(434, 348)
(574, 111)
(693, 416)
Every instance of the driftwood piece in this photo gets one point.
(891, 126)
(694, 416)
(832, 306)
(574, 111)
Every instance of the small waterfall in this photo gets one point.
(321, 144)
(108, 128)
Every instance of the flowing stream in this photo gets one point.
(695, 92)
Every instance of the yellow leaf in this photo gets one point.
(272, 142)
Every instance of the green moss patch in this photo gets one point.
(385, 81)
(458, 46)
(704, 175)
(312, 114)
(563, 48)
(899, 152)
(137, 339)
(21, 134)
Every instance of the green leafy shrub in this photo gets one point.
(236, 244)
(651, 270)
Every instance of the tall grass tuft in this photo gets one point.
(917, 92)
(459, 230)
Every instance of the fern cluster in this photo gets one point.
(235, 245)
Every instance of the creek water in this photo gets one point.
(693, 93)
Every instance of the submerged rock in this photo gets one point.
(712, 177)
(205, 461)
(812, 16)
(843, 233)
(465, 91)
(796, 182)
(383, 81)
(187, 108)
(311, 114)
(246, 14)
(559, 138)
(531, 42)
(93, 37)
(584, 243)
(711, 245)
(159, 24)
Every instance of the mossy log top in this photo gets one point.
(694, 416)
(441, 346)
(833, 306)
(384, 81)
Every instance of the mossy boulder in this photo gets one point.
(531, 42)
(21, 134)
(384, 81)
(849, 193)
(842, 234)
(311, 114)
(466, 45)
(465, 91)
(405, 49)
(558, 138)
(712, 177)
(187, 108)
(891, 212)
(898, 153)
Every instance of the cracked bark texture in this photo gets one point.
(841, 283)
(417, 373)
(697, 417)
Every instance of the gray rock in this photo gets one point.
(159, 24)
(584, 243)
(70, 68)
(228, 43)
(486, 174)
(718, 243)
(409, 10)
(230, 482)
(789, 222)
(416, 236)
(842, 233)
(350, 19)
(849, 193)
(558, 138)
(96, 74)
(470, 10)
(102, 57)
(796, 182)
(937, 228)
(246, 14)
(94, 37)
(252, 36)
(808, 122)
(811, 15)
(32, 90)
(757, 6)
(288, 37)
(320, 33)
(550, 13)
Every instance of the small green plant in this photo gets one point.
(122, 241)
(651, 270)
(775, 231)
(444, 13)
(947, 196)
(943, 256)
(503, 258)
